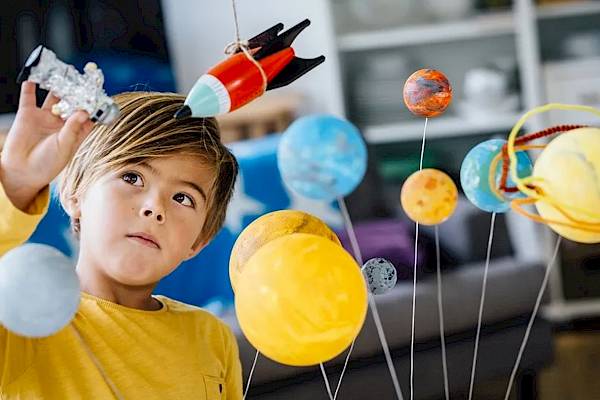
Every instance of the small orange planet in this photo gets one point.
(429, 197)
(427, 93)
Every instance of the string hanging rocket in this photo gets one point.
(265, 62)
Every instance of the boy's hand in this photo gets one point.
(38, 146)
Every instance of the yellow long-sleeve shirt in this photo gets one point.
(177, 352)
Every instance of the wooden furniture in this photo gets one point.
(268, 114)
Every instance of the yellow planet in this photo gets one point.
(429, 197)
(302, 299)
(569, 168)
(269, 227)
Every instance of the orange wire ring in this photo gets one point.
(498, 189)
(530, 186)
(517, 204)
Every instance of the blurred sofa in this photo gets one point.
(511, 292)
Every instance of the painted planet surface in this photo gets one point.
(570, 171)
(427, 93)
(380, 274)
(322, 157)
(269, 227)
(302, 299)
(475, 171)
(429, 197)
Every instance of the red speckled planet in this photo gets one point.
(427, 93)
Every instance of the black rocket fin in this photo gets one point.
(264, 38)
(294, 70)
(282, 41)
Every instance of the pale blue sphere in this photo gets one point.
(322, 157)
(474, 176)
(39, 290)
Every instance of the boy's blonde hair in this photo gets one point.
(144, 130)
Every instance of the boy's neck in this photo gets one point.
(128, 296)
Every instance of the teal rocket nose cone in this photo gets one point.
(183, 112)
(203, 101)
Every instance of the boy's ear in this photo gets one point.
(199, 246)
(73, 207)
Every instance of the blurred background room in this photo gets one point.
(502, 58)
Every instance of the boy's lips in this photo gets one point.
(144, 238)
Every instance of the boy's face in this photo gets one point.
(140, 222)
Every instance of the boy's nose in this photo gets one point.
(148, 212)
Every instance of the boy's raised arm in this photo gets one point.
(37, 148)
(16, 226)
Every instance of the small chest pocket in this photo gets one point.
(215, 388)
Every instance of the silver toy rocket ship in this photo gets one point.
(76, 91)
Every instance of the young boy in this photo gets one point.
(143, 195)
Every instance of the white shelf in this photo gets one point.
(570, 9)
(439, 128)
(492, 24)
(563, 311)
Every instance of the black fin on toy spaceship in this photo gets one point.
(294, 70)
(282, 41)
(265, 37)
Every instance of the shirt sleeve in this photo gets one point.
(233, 376)
(17, 226)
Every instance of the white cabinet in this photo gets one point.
(553, 50)
(453, 46)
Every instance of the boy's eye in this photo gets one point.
(184, 199)
(132, 178)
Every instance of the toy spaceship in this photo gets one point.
(238, 80)
(76, 91)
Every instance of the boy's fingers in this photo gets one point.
(88, 126)
(69, 134)
(27, 98)
(52, 123)
(85, 130)
(50, 101)
(83, 133)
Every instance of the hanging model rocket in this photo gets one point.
(238, 80)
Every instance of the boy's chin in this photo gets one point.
(136, 274)
(135, 281)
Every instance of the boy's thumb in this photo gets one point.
(69, 135)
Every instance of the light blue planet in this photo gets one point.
(474, 176)
(39, 290)
(322, 157)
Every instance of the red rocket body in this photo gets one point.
(269, 63)
(243, 79)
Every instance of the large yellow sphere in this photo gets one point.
(302, 299)
(429, 197)
(570, 169)
(271, 226)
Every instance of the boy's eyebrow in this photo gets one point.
(187, 183)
